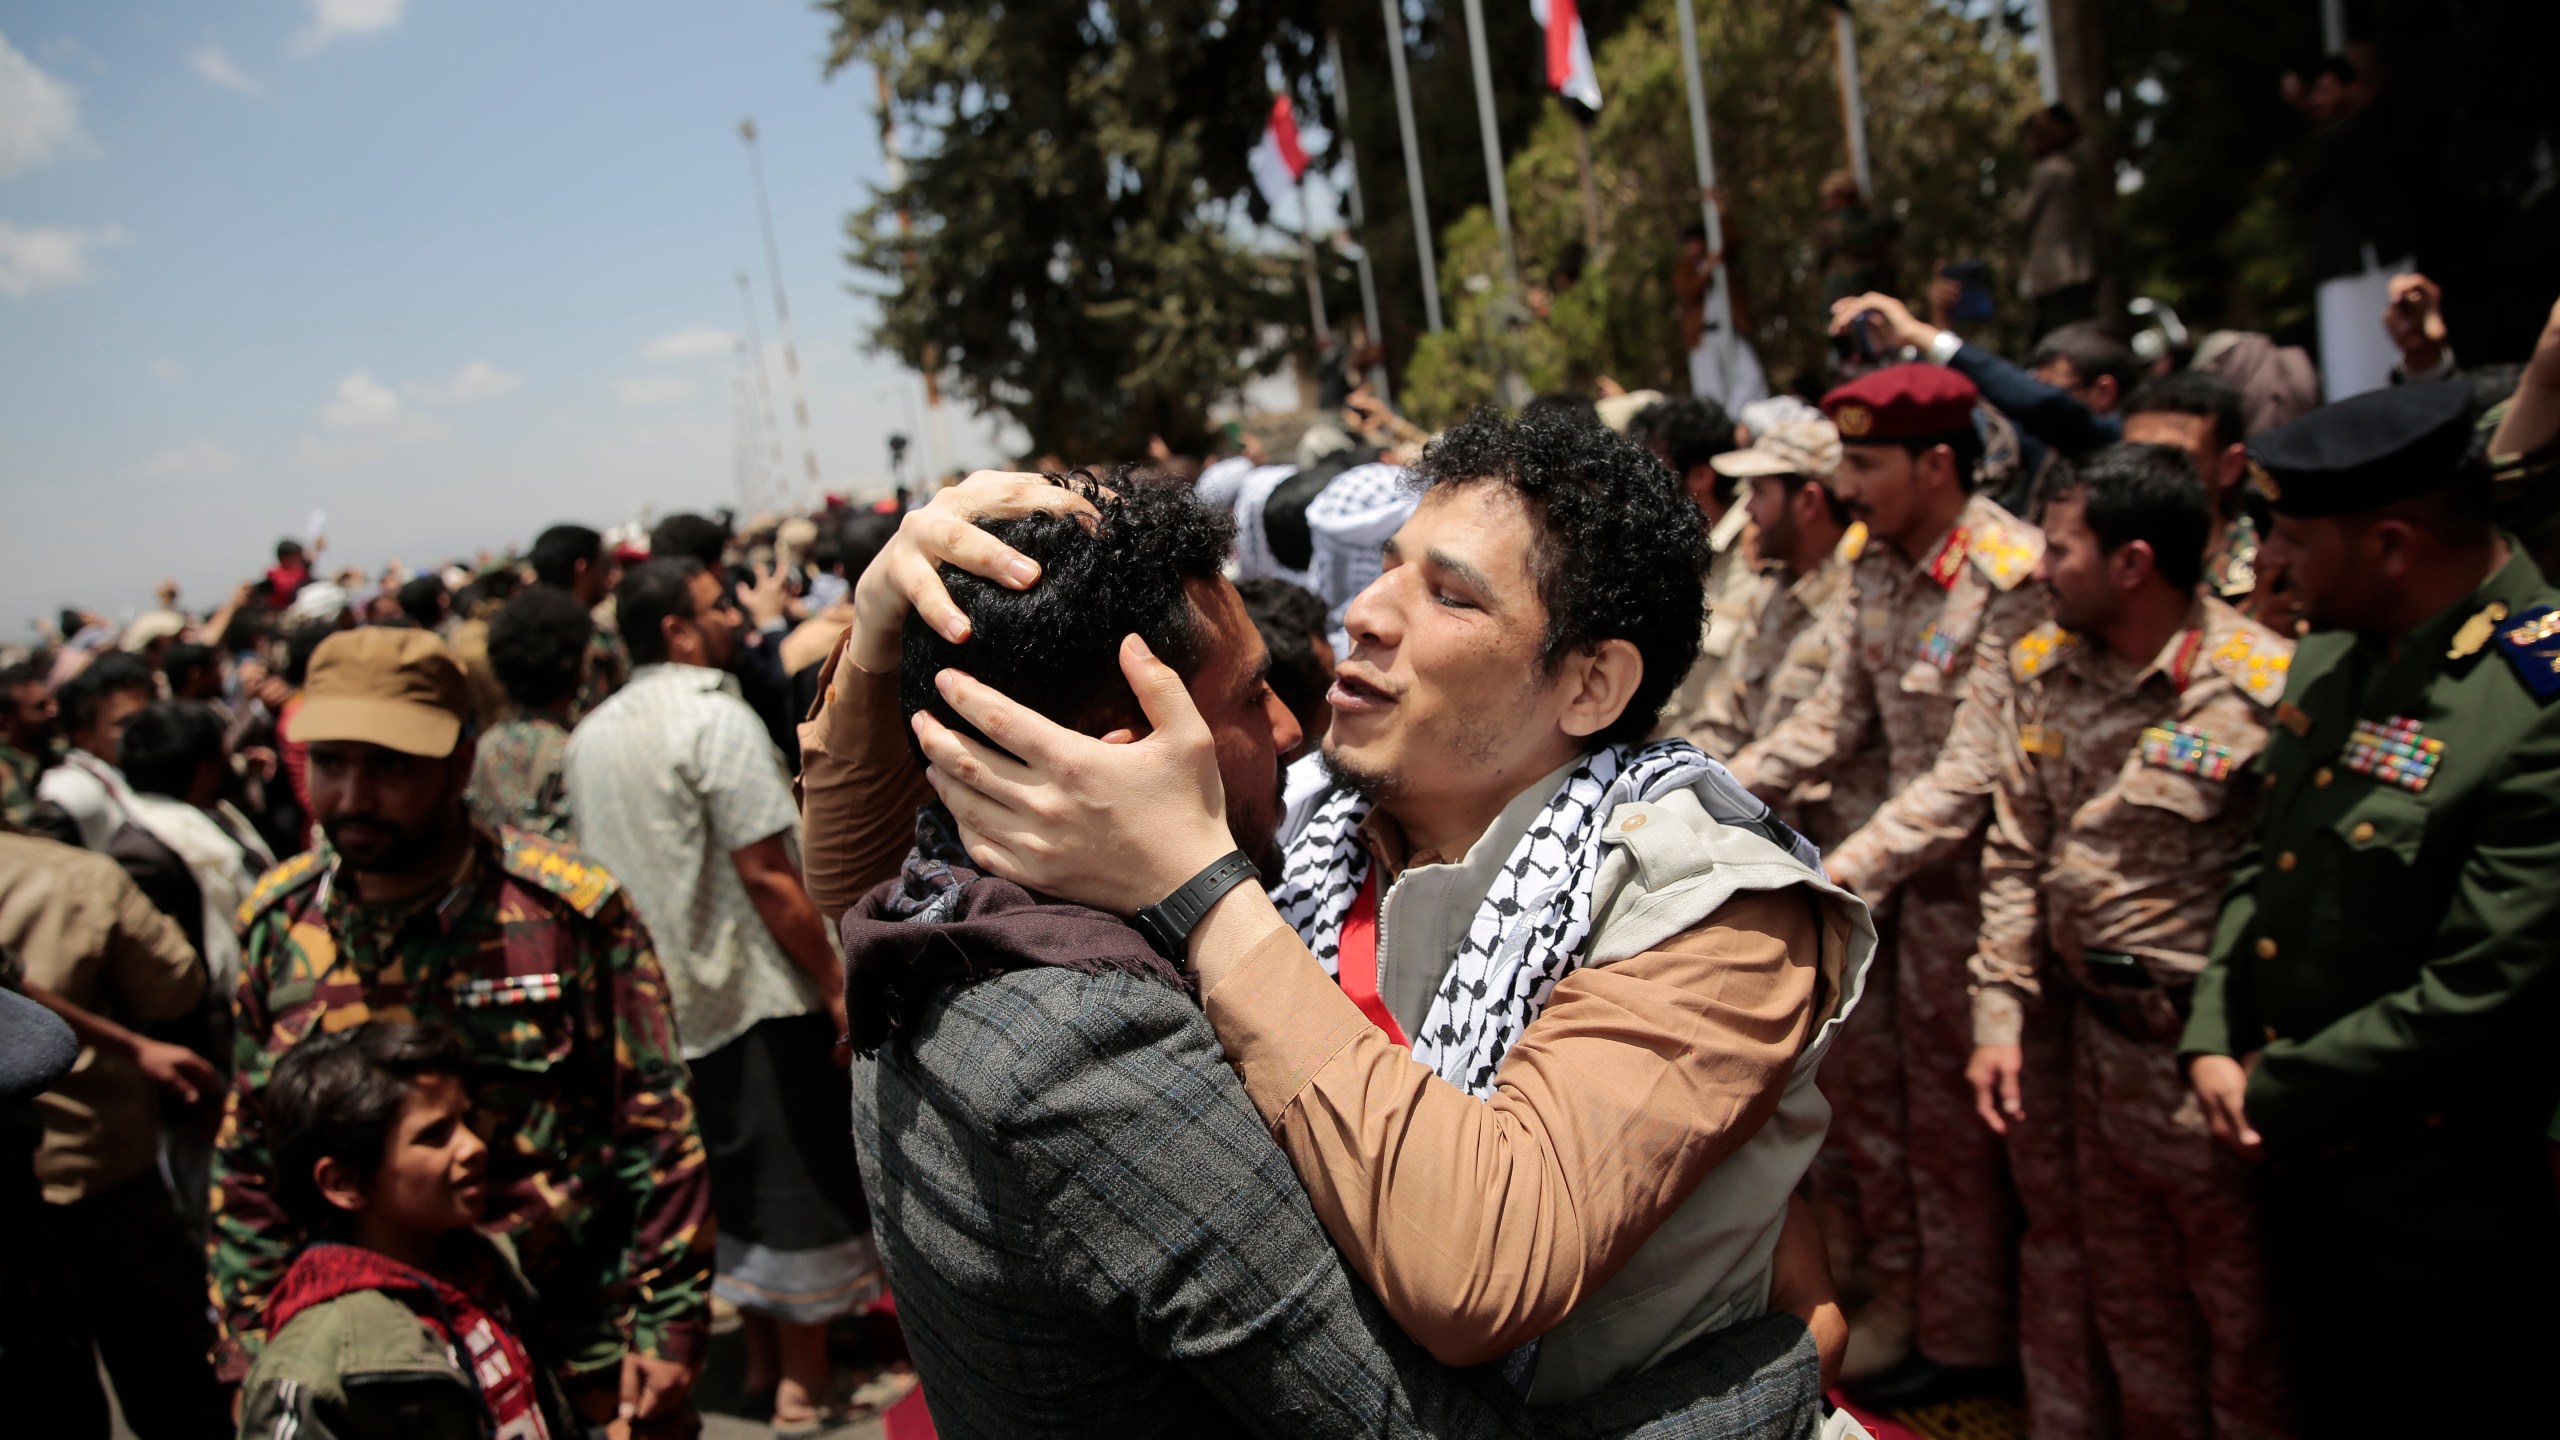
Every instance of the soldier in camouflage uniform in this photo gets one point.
(596, 1169)
(1938, 602)
(1808, 543)
(2121, 809)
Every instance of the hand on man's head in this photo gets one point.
(905, 578)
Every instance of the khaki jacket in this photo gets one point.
(1670, 866)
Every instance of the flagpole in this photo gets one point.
(1307, 253)
(1424, 244)
(1853, 99)
(1493, 149)
(1359, 212)
(1720, 297)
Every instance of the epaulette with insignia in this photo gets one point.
(2531, 643)
(2040, 650)
(2256, 669)
(283, 880)
(2007, 554)
(558, 869)
(1853, 541)
(1948, 563)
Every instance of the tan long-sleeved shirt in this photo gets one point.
(1479, 1224)
(84, 932)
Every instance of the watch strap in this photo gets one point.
(1168, 923)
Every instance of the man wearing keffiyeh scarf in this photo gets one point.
(1617, 971)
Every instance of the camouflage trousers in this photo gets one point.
(1862, 1176)
(2171, 1225)
(2001, 1269)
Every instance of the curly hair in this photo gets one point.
(538, 646)
(1055, 647)
(1620, 551)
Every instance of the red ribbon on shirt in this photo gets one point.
(1357, 960)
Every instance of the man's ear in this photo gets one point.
(2102, 393)
(341, 1186)
(1601, 685)
(2235, 467)
(2392, 546)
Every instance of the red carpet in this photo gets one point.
(1958, 1420)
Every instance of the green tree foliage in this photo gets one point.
(1945, 95)
(1080, 256)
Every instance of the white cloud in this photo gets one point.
(195, 460)
(167, 370)
(362, 404)
(690, 344)
(338, 19)
(216, 67)
(39, 114)
(366, 407)
(42, 257)
(478, 380)
(652, 392)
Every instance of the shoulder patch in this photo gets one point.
(558, 869)
(276, 884)
(2040, 650)
(2531, 643)
(2006, 552)
(2256, 662)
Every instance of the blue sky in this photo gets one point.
(449, 270)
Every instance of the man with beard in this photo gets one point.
(537, 960)
(1617, 972)
(2374, 1027)
(1089, 1227)
(2123, 803)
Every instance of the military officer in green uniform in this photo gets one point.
(2377, 1021)
(536, 959)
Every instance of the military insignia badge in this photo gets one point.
(2475, 632)
(1853, 420)
(1948, 563)
(2258, 673)
(2263, 480)
(2185, 750)
(2293, 719)
(508, 990)
(2038, 649)
(2005, 555)
(2040, 740)
(1939, 648)
(2394, 751)
(2532, 645)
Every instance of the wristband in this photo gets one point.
(1943, 347)
(1167, 923)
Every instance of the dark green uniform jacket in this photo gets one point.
(2393, 939)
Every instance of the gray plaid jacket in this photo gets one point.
(1090, 1233)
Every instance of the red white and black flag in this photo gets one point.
(1280, 161)
(1569, 71)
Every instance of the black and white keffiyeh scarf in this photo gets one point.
(1535, 924)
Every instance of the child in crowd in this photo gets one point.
(395, 1321)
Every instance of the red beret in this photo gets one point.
(1902, 402)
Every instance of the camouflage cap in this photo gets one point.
(1808, 447)
(399, 689)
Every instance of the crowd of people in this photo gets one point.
(1989, 880)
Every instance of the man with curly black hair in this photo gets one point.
(1617, 969)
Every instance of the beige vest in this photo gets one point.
(1708, 1265)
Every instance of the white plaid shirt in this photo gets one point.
(670, 778)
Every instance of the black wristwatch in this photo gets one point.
(1167, 923)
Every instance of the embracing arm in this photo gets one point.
(859, 786)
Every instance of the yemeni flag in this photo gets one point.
(1569, 71)
(1280, 160)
